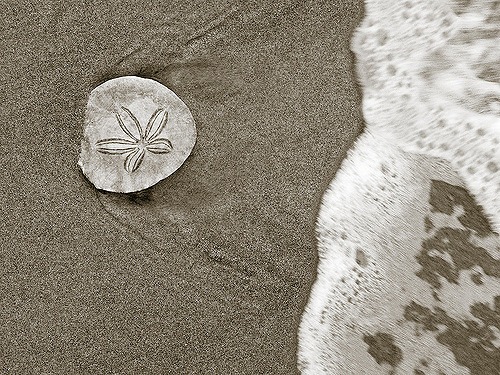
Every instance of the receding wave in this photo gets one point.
(408, 278)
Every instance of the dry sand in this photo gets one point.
(208, 271)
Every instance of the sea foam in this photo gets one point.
(429, 72)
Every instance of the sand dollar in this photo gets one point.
(136, 133)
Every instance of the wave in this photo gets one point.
(407, 242)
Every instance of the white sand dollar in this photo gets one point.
(136, 133)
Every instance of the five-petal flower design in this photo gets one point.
(136, 145)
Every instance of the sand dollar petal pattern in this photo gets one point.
(156, 124)
(115, 146)
(159, 146)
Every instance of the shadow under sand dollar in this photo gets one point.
(409, 255)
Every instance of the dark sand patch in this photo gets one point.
(382, 348)
(445, 197)
(470, 341)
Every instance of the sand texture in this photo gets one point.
(209, 270)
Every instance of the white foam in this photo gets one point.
(424, 91)
(422, 67)
(348, 234)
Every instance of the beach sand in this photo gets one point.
(209, 270)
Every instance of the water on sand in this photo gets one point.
(409, 270)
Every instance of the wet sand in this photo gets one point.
(209, 270)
